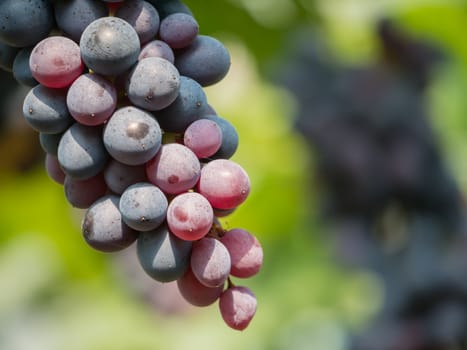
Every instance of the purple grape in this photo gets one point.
(178, 30)
(245, 252)
(229, 138)
(206, 60)
(167, 7)
(103, 228)
(83, 193)
(156, 48)
(45, 110)
(132, 136)
(153, 84)
(210, 262)
(142, 16)
(73, 16)
(143, 206)
(162, 255)
(196, 293)
(237, 306)
(190, 216)
(81, 152)
(109, 46)
(203, 137)
(52, 167)
(56, 62)
(91, 99)
(119, 176)
(175, 169)
(224, 183)
(25, 22)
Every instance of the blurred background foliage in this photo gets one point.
(57, 293)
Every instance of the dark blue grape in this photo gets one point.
(229, 138)
(167, 7)
(7, 56)
(49, 142)
(132, 136)
(81, 152)
(142, 16)
(109, 46)
(162, 255)
(206, 60)
(73, 16)
(153, 84)
(188, 107)
(143, 206)
(25, 22)
(119, 176)
(21, 70)
(103, 228)
(178, 30)
(45, 110)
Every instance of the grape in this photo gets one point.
(245, 252)
(73, 16)
(143, 206)
(237, 306)
(210, 262)
(224, 183)
(178, 30)
(119, 176)
(196, 293)
(203, 137)
(162, 255)
(7, 56)
(167, 7)
(142, 16)
(91, 99)
(83, 193)
(132, 136)
(103, 228)
(229, 137)
(109, 46)
(153, 84)
(25, 22)
(52, 166)
(206, 60)
(157, 48)
(81, 152)
(187, 107)
(56, 62)
(45, 110)
(175, 169)
(50, 142)
(190, 216)
(21, 70)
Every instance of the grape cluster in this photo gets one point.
(117, 98)
(385, 187)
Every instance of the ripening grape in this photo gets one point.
(237, 306)
(178, 30)
(210, 262)
(190, 216)
(83, 193)
(52, 166)
(245, 252)
(56, 62)
(197, 293)
(203, 137)
(157, 48)
(224, 183)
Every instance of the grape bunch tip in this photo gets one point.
(117, 99)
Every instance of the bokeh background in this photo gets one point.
(352, 116)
